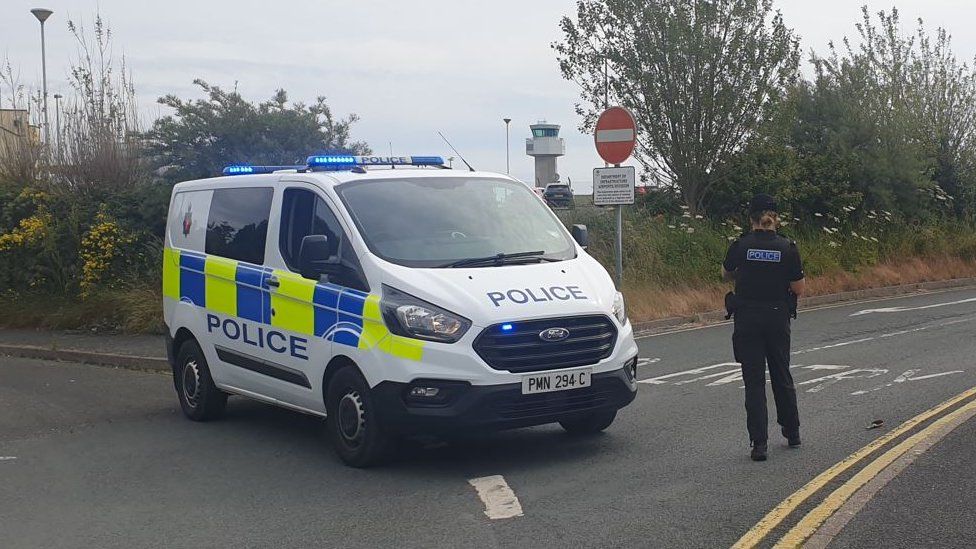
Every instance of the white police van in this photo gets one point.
(393, 302)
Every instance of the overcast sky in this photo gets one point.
(408, 69)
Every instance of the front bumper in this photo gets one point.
(497, 407)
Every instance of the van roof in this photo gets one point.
(331, 178)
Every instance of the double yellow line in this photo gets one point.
(809, 524)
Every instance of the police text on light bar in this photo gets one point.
(341, 161)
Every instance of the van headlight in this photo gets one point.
(408, 316)
(619, 310)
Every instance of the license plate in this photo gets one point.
(555, 381)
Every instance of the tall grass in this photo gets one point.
(672, 261)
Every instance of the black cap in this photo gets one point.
(762, 203)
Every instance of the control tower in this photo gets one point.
(545, 146)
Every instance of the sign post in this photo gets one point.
(615, 138)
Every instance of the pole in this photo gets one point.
(47, 126)
(619, 244)
(508, 149)
(619, 248)
(57, 123)
(41, 14)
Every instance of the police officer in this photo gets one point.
(768, 275)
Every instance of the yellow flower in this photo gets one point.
(28, 232)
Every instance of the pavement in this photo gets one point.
(140, 352)
(101, 457)
(928, 505)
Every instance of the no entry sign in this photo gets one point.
(616, 135)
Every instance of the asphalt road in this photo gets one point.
(97, 457)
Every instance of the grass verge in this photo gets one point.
(132, 310)
(647, 302)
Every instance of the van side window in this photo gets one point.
(302, 214)
(237, 227)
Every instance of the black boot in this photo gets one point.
(792, 437)
(758, 451)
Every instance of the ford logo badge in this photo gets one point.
(554, 334)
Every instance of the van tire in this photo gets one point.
(589, 425)
(354, 427)
(200, 399)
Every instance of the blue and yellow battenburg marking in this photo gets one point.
(342, 315)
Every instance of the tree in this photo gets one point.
(97, 152)
(700, 76)
(908, 114)
(944, 100)
(205, 135)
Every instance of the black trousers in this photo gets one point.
(762, 338)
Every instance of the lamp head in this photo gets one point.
(41, 14)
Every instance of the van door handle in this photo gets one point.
(272, 282)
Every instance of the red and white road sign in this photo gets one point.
(616, 135)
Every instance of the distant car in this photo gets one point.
(558, 195)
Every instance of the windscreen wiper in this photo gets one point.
(500, 259)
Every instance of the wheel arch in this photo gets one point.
(337, 363)
(182, 336)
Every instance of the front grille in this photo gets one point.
(591, 339)
(548, 404)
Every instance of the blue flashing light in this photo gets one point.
(507, 327)
(238, 170)
(245, 169)
(343, 161)
(331, 161)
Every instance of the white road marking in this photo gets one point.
(832, 346)
(500, 501)
(825, 367)
(960, 321)
(909, 331)
(7, 458)
(737, 376)
(647, 361)
(709, 376)
(917, 308)
(909, 375)
(661, 380)
(732, 376)
(900, 379)
(827, 381)
(930, 376)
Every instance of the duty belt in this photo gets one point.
(735, 303)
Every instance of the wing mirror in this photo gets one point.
(580, 235)
(315, 257)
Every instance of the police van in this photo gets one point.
(392, 296)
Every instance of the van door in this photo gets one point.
(236, 303)
(321, 313)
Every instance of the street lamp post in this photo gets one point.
(57, 123)
(42, 14)
(507, 148)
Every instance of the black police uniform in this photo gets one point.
(765, 263)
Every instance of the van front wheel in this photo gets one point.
(354, 427)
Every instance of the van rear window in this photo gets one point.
(237, 227)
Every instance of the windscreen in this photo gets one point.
(428, 222)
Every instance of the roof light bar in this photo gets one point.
(343, 161)
(245, 169)
(338, 162)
